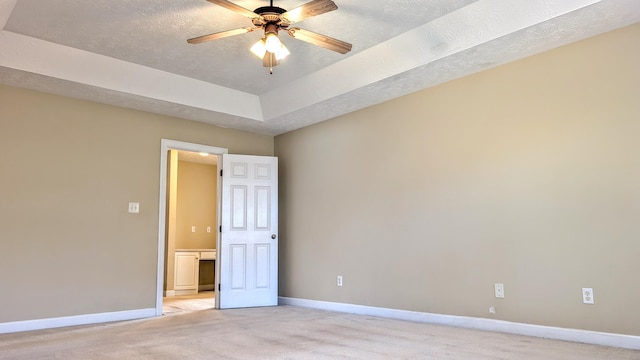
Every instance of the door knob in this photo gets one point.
(273, 236)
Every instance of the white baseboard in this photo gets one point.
(39, 324)
(206, 287)
(185, 292)
(549, 332)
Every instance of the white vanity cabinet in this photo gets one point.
(186, 272)
(187, 269)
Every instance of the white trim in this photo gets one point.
(165, 146)
(169, 293)
(549, 332)
(28, 325)
(186, 292)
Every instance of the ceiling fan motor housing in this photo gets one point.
(269, 10)
(271, 14)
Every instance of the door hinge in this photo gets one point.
(218, 286)
(220, 230)
(220, 172)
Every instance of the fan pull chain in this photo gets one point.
(270, 63)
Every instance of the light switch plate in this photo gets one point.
(499, 290)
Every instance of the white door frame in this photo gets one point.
(165, 146)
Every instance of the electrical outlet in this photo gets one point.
(587, 296)
(339, 280)
(499, 290)
(193, 229)
(208, 229)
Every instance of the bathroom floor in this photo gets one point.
(179, 304)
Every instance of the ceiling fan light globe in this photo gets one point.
(282, 53)
(259, 49)
(272, 43)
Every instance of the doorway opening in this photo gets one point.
(187, 243)
(203, 300)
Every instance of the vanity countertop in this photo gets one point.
(202, 254)
(195, 250)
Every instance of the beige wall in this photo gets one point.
(196, 205)
(68, 170)
(527, 174)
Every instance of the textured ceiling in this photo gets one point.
(134, 53)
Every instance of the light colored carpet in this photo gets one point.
(286, 332)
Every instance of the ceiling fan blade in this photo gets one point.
(320, 40)
(304, 11)
(220, 35)
(237, 8)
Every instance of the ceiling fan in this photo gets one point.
(272, 19)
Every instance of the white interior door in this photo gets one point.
(248, 253)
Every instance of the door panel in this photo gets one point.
(238, 207)
(263, 208)
(238, 266)
(262, 266)
(249, 240)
